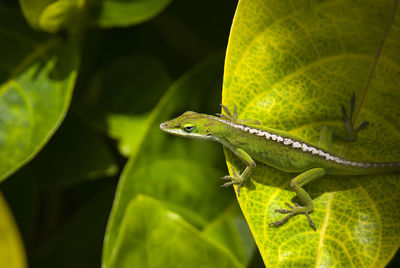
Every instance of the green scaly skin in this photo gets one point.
(281, 150)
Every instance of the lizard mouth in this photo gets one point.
(163, 126)
(167, 128)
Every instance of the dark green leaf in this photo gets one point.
(231, 231)
(37, 75)
(153, 236)
(32, 10)
(51, 15)
(123, 13)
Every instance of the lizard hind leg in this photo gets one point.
(350, 132)
(347, 133)
(302, 195)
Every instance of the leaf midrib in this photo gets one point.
(354, 119)
(376, 59)
(323, 229)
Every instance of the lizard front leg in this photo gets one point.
(232, 116)
(240, 179)
(302, 195)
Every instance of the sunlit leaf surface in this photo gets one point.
(37, 75)
(290, 65)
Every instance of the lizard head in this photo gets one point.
(189, 124)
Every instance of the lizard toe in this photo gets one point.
(293, 211)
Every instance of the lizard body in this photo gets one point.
(278, 149)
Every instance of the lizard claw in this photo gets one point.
(362, 125)
(227, 177)
(229, 115)
(232, 116)
(283, 211)
(310, 222)
(289, 205)
(237, 179)
(348, 120)
(239, 187)
(281, 222)
(286, 211)
(227, 184)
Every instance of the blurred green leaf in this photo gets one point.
(121, 127)
(230, 230)
(12, 253)
(32, 10)
(178, 172)
(124, 13)
(37, 75)
(59, 15)
(51, 15)
(153, 236)
(291, 65)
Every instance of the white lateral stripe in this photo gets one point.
(305, 147)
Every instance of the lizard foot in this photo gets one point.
(293, 211)
(236, 179)
(229, 116)
(232, 116)
(348, 121)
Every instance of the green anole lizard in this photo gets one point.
(251, 142)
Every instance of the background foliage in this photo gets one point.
(87, 178)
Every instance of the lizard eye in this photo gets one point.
(188, 127)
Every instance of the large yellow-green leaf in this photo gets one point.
(37, 75)
(12, 252)
(290, 65)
